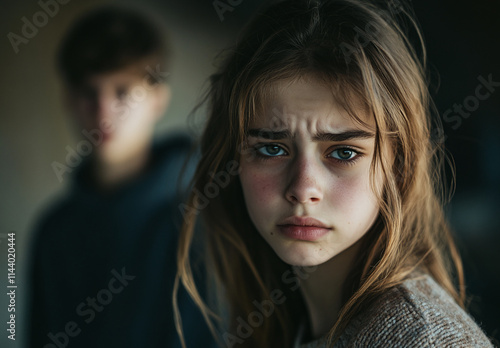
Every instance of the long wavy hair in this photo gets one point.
(364, 52)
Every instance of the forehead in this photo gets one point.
(310, 102)
(127, 76)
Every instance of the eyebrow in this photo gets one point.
(342, 136)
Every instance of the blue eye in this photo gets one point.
(344, 154)
(271, 150)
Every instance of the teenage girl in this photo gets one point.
(319, 187)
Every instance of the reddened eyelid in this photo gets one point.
(259, 146)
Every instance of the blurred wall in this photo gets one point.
(462, 40)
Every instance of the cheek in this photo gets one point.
(356, 201)
(350, 190)
(261, 189)
(139, 116)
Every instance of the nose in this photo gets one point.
(304, 185)
(104, 107)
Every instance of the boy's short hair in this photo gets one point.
(109, 39)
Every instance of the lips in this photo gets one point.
(303, 228)
(106, 136)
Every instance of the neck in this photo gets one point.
(111, 174)
(323, 290)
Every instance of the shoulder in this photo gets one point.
(174, 155)
(416, 313)
(175, 144)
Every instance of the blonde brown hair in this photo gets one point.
(362, 51)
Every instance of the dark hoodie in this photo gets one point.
(103, 265)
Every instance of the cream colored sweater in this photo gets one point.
(417, 313)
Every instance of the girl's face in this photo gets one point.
(306, 180)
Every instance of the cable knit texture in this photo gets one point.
(417, 313)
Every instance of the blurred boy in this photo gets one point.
(104, 258)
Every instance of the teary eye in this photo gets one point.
(271, 150)
(344, 154)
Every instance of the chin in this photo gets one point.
(304, 254)
(109, 152)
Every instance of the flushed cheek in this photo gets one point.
(261, 190)
(355, 200)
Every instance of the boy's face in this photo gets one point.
(118, 110)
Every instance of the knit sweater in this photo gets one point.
(416, 313)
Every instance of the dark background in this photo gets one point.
(463, 44)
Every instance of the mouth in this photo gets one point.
(106, 136)
(303, 228)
